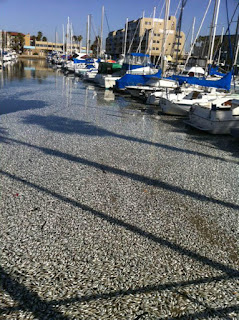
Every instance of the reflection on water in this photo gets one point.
(25, 69)
(39, 86)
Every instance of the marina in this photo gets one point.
(111, 209)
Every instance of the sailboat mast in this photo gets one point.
(178, 29)
(125, 38)
(152, 34)
(236, 37)
(220, 49)
(217, 5)
(166, 15)
(101, 31)
(193, 26)
(63, 39)
(90, 17)
(200, 27)
(142, 35)
(55, 39)
(67, 34)
(87, 34)
(71, 36)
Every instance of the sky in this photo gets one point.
(48, 16)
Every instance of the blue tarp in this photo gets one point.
(134, 79)
(223, 83)
(138, 54)
(214, 71)
(79, 61)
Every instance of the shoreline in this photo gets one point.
(32, 57)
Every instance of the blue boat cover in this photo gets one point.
(79, 61)
(138, 54)
(135, 79)
(223, 83)
(214, 71)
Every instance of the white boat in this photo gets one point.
(217, 117)
(179, 104)
(108, 81)
(90, 75)
(153, 84)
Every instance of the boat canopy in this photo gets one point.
(135, 79)
(137, 59)
(214, 71)
(138, 54)
(223, 83)
(194, 72)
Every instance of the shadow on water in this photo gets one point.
(3, 136)
(118, 222)
(201, 138)
(71, 126)
(223, 142)
(30, 301)
(133, 176)
(27, 300)
(14, 105)
(221, 312)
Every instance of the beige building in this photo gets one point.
(146, 35)
(41, 48)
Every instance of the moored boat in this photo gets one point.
(217, 117)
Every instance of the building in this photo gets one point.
(8, 39)
(146, 35)
(41, 48)
(224, 52)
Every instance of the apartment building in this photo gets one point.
(146, 35)
(7, 39)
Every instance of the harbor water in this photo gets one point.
(109, 209)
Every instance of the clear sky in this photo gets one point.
(31, 16)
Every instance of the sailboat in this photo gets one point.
(179, 104)
(138, 67)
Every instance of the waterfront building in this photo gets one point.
(146, 35)
(41, 48)
(7, 39)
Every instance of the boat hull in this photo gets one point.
(172, 108)
(217, 121)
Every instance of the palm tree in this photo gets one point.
(79, 38)
(19, 42)
(39, 36)
(44, 39)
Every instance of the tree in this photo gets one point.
(74, 38)
(79, 38)
(39, 36)
(33, 40)
(44, 39)
(95, 46)
(18, 43)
